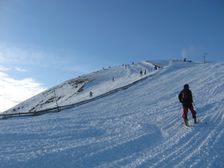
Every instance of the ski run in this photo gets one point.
(137, 126)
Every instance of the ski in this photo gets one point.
(190, 124)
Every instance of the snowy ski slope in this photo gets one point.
(78, 89)
(137, 127)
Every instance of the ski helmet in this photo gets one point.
(186, 86)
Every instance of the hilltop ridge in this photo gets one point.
(78, 89)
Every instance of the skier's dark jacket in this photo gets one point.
(185, 97)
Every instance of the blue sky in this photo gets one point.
(54, 40)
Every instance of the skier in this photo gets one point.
(185, 97)
(90, 94)
(155, 67)
(141, 72)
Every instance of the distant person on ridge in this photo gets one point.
(90, 93)
(141, 72)
(155, 67)
(185, 97)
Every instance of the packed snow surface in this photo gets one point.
(140, 126)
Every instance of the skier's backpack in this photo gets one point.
(184, 95)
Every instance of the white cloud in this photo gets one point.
(3, 69)
(14, 91)
(60, 60)
(19, 69)
(14, 55)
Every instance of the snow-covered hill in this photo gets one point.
(140, 126)
(78, 89)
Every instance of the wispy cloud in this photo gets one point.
(63, 60)
(14, 91)
(19, 69)
(3, 69)
(15, 55)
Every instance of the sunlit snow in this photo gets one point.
(140, 126)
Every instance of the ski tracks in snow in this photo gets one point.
(137, 127)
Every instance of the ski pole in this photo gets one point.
(196, 109)
(181, 112)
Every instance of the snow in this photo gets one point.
(140, 126)
(78, 89)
